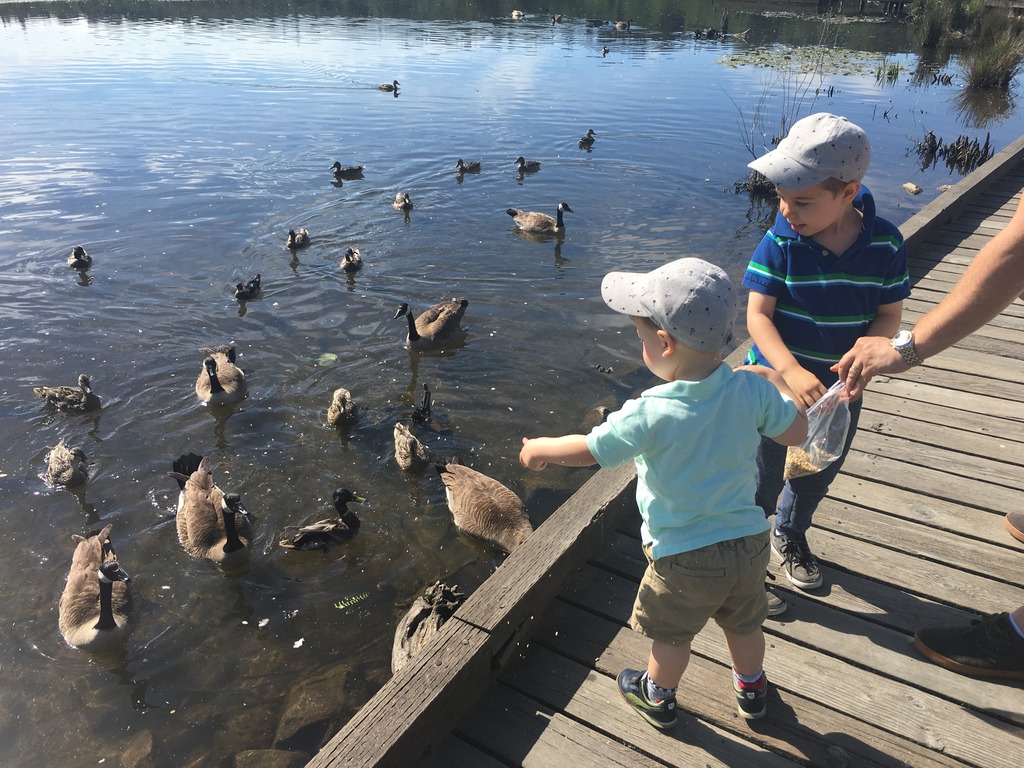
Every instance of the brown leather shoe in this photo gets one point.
(1015, 524)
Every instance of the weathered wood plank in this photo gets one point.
(880, 401)
(925, 392)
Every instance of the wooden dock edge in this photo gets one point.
(418, 707)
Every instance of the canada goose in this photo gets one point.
(402, 202)
(435, 326)
(539, 223)
(70, 399)
(79, 258)
(410, 453)
(249, 290)
(605, 51)
(342, 411)
(517, 14)
(221, 382)
(392, 86)
(555, 18)
(483, 507)
(297, 238)
(587, 141)
(66, 466)
(96, 606)
(347, 171)
(211, 524)
(351, 261)
(527, 166)
(422, 621)
(471, 167)
(623, 26)
(323, 533)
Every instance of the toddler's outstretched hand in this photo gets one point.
(528, 460)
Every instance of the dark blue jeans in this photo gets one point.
(801, 495)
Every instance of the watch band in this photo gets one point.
(907, 351)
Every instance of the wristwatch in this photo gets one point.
(903, 342)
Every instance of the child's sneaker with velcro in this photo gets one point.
(752, 698)
(633, 687)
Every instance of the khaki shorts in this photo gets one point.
(723, 581)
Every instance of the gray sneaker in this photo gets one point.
(776, 604)
(801, 566)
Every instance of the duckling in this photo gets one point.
(392, 86)
(540, 223)
(210, 523)
(351, 261)
(623, 26)
(402, 202)
(343, 410)
(66, 466)
(410, 453)
(221, 382)
(517, 14)
(484, 508)
(347, 171)
(249, 290)
(527, 166)
(587, 141)
(69, 399)
(323, 533)
(471, 167)
(79, 258)
(436, 326)
(423, 620)
(96, 606)
(297, 238)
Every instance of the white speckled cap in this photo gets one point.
(691, 299)
(819, 147)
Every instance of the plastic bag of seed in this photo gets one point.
(828, 421)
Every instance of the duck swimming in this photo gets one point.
(297, 238)
(323, 533)
(70, 399)
(249, 290)
(79, 258)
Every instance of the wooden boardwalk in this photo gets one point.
(911, 534)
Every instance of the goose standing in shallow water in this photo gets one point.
(96, 606)
(436, 326)
(249, 290)
(297, 238)
(342, 411)
(65, 466)
(210, 523)
(392, 86)
(410, 453)
(484, 508)
(79, 258)
(323, 533)
(70, 399)
(221, 382)
(587, 141)
(540, 223)
(347, 171)
(351, 261)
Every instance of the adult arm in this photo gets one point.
(991, 282)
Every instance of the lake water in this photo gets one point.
(180, 142)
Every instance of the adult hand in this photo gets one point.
(869, 357)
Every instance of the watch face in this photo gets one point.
(901, 338)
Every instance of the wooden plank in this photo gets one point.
(936, 373)
(925, 392)
(456, 752)
(881, 403)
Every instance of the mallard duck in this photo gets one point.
(555, 18)
(423, 620)
(539, 223)
(623, 26)
(347, 171)
(66, 466)
(436, 326)
(249, 290)
(342, 411)
(410, 453)
(323, 533)
(527, 166)
(79, 258)
(297, 238)
(96, 606)
(392, 86)
(517, 14)
(484, 508)
(587, 141)
(402, 202)
(70, 399)
(471, 167)
(421, 413)
(605, 50)
(221, 382)
(211, 524)
(351, 261)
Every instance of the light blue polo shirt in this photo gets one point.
(695, 443)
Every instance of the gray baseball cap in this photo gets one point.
(819, 147)
(691, 299)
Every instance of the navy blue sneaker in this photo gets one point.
(751, 698)
(633, 687)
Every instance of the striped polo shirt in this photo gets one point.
(826, 301)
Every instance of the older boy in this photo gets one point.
(694, 441)
(828, 272)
